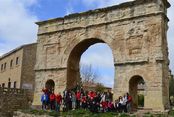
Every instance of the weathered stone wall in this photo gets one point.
(135, 31)
(11, 100)
(28, 73)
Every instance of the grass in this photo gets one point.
(86, 113)
(74, 113)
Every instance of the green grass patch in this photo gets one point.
(74, 113)
(87, 113)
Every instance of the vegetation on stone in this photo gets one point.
(141, 100)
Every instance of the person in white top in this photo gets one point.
(125, 103)
(120, 104)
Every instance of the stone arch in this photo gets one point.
(133, 88)
(93, 35)
(135, 37)
(73, 72)
(50, 85)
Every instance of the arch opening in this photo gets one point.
(73, 69)
(137, 91)
(49, 85)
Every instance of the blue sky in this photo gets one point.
(101, 58)
(17, 27)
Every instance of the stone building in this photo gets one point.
(17, 67)
(136, 32)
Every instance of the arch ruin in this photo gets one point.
(136, 32)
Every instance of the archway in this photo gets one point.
(135, 40)
(49, 85)
(73, 70)
(136, 90)
(97, 68)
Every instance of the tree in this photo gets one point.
(99, 87)
(88, 73)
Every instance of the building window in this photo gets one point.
(17, 60)
(14, 84)
(11, 63)
(9, 83)
(2, 66)
(5, 65)
(3, 85)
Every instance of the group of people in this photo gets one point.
(94, 101)
(50, 100)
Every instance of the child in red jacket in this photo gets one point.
(52, 101)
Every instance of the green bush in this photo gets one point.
(171, 113)
(141, 100)
(53, 113)
(124, 115)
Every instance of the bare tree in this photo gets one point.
(100, 87)
(88, 73)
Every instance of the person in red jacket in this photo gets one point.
(129, 103)
(58, 102)
(52, 100)
(84, 102)
(104, 106)
(93, 95)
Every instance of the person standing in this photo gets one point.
(58, 102)
(116, 105)
(44, 100)
(52, 100)
(73, 99)
(84, 102)
(129, 103)
(78, 95)
(125, 103)
(120, 104)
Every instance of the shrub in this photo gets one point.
(53, 113)
(141, 100)
(171, 113)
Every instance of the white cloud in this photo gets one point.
(102, 3)
(69, 9)
(97, 59)
(16, 24)
(107, 80)
(98, 55)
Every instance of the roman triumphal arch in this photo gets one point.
(136, 32)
